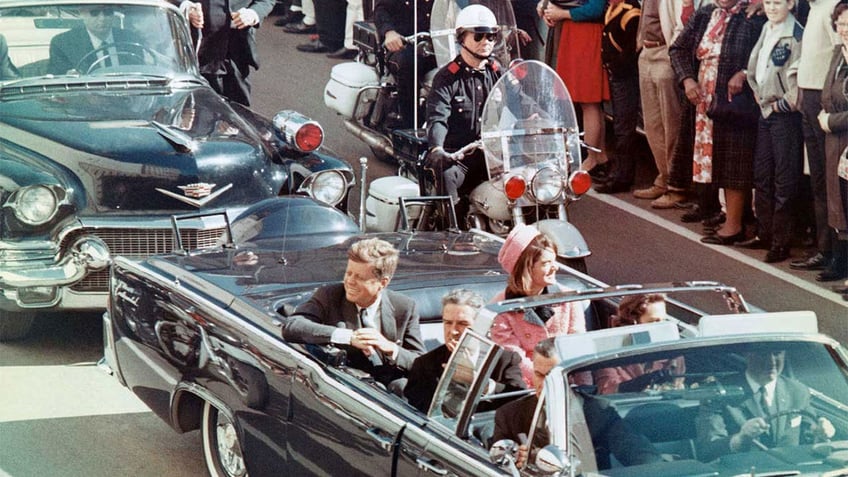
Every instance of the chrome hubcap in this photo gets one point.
(229, 451)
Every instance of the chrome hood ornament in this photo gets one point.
(197, 194)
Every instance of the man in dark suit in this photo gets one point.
(378, 327)
(609, 433)
(227, 48)
(459, 310)
(724, 428)
(97, 42)
(7, 69)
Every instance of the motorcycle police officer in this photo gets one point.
(455, 105)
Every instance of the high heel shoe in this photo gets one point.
(717, 239)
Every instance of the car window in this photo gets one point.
(703, 398)
(459, 388)
(59, 40)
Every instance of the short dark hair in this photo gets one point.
(546, 348)
(632, 307)
(837, 10)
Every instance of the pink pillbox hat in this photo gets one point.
(517, 240)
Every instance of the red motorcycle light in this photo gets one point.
(515, 187)
(309, 137)
(580, 182)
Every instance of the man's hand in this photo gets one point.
(752, 429)
(367, 339)
(438, 158)
(823, 430)
(734, 86)
(195, 14)
(393, 41)
(521, 458)
(244, 18)
(824, 118)
(692, 90)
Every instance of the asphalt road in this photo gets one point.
(62, 416)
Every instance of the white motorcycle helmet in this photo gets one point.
(475, 19)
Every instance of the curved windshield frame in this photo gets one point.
(57, 40)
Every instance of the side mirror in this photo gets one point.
(551, 460)
(503, 451)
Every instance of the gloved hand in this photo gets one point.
(823, 430)
(639, 383)
(823, 118)
(438, 158)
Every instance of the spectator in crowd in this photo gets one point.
(353, 14)
(455, 106)
(818, 42)
(620, 55)
(529, 257)
(395, 20)
(330, 18)
(778, 160)
(459, 311)
(378, 327)
(637, 310)
(709, 59)
(579, 64)
(301, 21)
(660, 24)
(528, 21)
(227, 48)
(833, 119)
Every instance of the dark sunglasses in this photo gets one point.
(489, 36)
(96, 12)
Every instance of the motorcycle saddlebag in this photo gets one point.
(346, 81)
(365, 36)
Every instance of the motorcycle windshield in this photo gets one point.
(443, 25)
(529, 124)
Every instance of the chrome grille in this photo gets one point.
(139, 243)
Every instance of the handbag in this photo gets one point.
(842, 165)
(741, 110)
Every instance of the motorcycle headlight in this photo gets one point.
(547, 185)
(326, 186)
(36, 205)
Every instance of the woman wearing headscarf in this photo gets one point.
(709, 59)
(529, 257)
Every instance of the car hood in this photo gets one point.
(141, 150)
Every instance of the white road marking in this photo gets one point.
(50, 392)
(728, 251)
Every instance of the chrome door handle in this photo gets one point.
(386, 443)
(428, 465)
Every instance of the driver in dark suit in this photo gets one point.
(758, 419)
(97, 41)
(378, 327)
(7, 69)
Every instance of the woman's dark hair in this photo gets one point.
(837, 10)
(632, 307)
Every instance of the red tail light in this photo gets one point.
(309, 137)
(580, 182)
(515, 187)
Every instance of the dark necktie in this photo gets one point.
(367, 322)
(763, 401)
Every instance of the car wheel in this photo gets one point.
(221, 445)
(15, 325)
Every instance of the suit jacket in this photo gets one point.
(7, 69)
(718, 420)
(427, 371)
(315, 321)
(220, 42)
(69, 48)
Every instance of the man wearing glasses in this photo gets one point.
(95, 44)
(455, 105)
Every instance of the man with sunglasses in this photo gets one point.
(97, 43)
(455, 105)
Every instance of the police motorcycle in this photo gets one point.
(364, 92)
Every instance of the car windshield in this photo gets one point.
(84, 40)
(701, 408)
